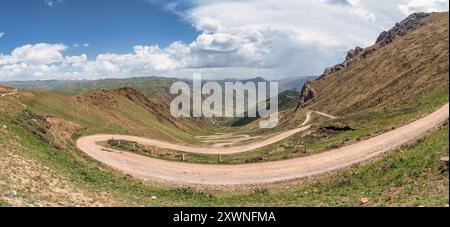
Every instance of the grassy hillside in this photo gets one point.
(401, 72)
(376, 90)
(106, 111)
(325, 134)
(33, 173)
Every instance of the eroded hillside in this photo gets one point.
(406, 63)
(124, 110)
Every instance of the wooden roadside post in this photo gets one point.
(182, 157)
(220, 158)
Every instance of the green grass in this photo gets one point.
(411, 176)
(261, 155)
(414, 173)
(128, 118)
(87, 174)
(166, 154)
(365, 125)
(2, 203)
(374, 122)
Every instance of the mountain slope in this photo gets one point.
(408, 62)
(110, 111)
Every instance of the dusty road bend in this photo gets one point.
(257, 173)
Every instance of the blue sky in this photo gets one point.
(92, 39)
(106, 25)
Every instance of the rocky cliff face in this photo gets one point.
(406, 26)
(307, 95)
(411, 23)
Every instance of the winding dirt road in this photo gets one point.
(199, 149)
(8, 94)
(186, 173)
(225, 139)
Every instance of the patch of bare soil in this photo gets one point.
(99, 97)
(225, 139)
(24, 182)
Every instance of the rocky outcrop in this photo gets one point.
(411, 23)
(352, 56)
(5, 90)
(353, 53)
(99, 97)
(307, 95)
(408, 25)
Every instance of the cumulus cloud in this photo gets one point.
(423, 6)
(37, 61)
(41, 53)
(47, 61)
(299, 37)
(2, 34)
(52, 3)
(143, 59)
(237, 38)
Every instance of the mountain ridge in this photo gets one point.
(408, 59)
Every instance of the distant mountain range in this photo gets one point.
(148, 85)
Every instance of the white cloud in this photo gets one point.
(301, 37)
(52, 3)
(2, 34)
(85, 45)
(143, 59)
(47, 61)
(41, 53)
(76, 59)
(33, 62)
(423, 6)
